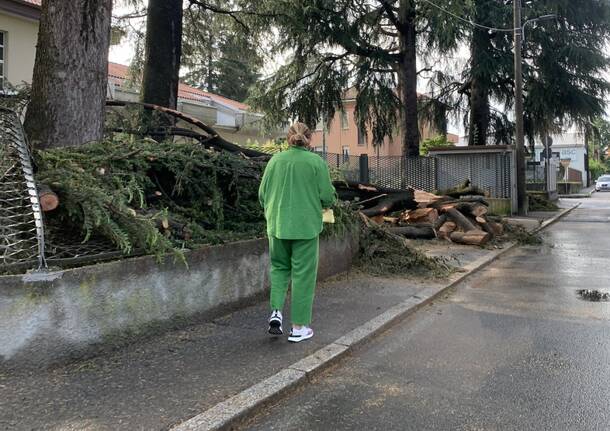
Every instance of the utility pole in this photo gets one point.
(519, 141)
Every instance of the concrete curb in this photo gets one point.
(230, 413)
(554, 219)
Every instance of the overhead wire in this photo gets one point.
(468, 21)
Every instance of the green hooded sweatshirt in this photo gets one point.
(295, 187)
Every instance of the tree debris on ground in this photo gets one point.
(163, 190)
(383, 252)
(539, 202)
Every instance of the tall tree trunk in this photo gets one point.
(70, 73)
(407, 78)
(163, 52)
(481, 53)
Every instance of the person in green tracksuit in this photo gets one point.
(295, 188)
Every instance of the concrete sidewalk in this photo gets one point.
(165, 380)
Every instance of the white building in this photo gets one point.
(571, 149)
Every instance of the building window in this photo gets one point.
(319, 149)
(2, 53)
(361, 138)
(344, 120)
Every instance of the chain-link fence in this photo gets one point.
(24, 243)
(21, 229)
(490, 171)
(343, 165)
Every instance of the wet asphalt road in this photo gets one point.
(513, 348)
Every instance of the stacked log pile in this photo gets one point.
(416, 214)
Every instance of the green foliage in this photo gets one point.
(383, 253)
(598, 138)
(598, 168)
(269, 147)
(122, 189)
(219, 54)
(346, 221)
(436, 142)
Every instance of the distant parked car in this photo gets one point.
(602, 183)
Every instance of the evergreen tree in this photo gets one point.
(564, 62)
(372, 46)
(219, 55)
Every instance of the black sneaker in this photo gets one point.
(275, 323)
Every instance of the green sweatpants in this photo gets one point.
(296, 260)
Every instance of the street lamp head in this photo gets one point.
(545, 17)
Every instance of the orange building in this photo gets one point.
(344, 137)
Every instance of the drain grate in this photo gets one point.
(593, 295)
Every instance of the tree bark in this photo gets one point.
(470, 238)
(459, 219)
(70, 74)
(407, 78)
(163, 53)
(481, 54)
(416, 231)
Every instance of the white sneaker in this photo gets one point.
(298, 335)
(275, 323)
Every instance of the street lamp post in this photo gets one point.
(519, 138)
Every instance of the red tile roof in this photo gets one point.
(118, 74)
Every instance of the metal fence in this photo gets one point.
(21, 229)
(490, 171)
(542, 178)
(24, 241)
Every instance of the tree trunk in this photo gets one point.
(163, 52)
(407, 79)
(481, 57)
(70, 74)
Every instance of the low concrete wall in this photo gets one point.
(42, 322)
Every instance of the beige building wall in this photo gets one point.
(20, 35)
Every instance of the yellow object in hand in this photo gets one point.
(328, 216)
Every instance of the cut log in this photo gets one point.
(474, 209)
(487, 227)
(48, 199)
(378, 218)
(460, 220)
(421, 215)
(392, 202)
(497, 228)
(447, 228)
(415, 231)
(470, 238)
(440, 221)
(424, 199)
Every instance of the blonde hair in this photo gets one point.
(299, 135)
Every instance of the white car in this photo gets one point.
(602, 183)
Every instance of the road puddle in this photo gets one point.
(593, 295)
